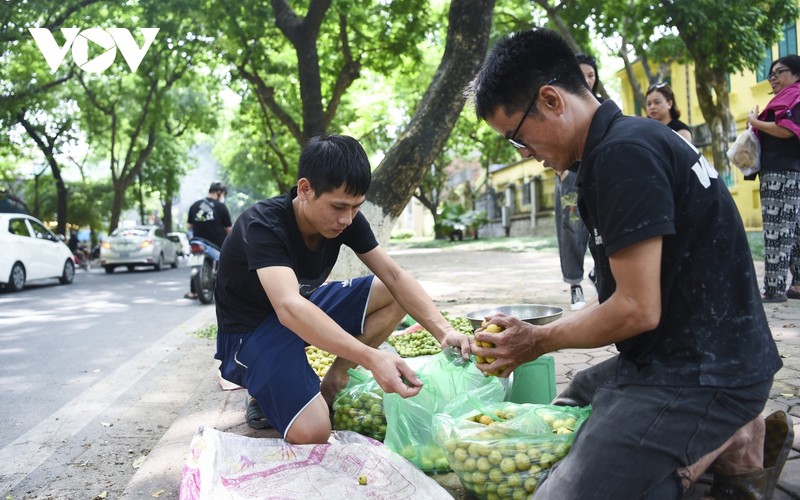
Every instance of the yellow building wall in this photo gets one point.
(518, 174)
(745, 93)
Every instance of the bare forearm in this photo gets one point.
(416, 301)
(597, 325)
(772, 129)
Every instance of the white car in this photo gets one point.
(29, 251)
(184, 249)
(138, 246)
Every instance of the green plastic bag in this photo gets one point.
(505, 449)
(359, 406)
(410, 422)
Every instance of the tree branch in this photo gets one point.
(267, 95)
(350, 71)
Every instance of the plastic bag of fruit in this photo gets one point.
(359, 406)
(410, 422)
(505, 449)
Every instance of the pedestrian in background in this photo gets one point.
(571, 232)
(661, 106)
(778, 129)
(210, 220)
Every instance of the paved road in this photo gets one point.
(92, 374)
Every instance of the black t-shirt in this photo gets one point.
(777, 154)
(209, 218)
(678, 125)
(265, 235)
(639, 180)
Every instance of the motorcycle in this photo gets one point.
(203, 260)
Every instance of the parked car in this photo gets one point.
(138, 246)
(184, 249)
(29, 251)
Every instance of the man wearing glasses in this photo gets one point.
(696, 359)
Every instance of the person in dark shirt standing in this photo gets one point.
(778, 131)
(210, 220)
(696, 360)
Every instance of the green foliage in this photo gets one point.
(207, 332)
(730, 34)
(402, 234)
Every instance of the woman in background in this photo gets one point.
(572, 235)
(660, 105)
(778, 131)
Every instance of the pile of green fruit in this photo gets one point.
(419, 343)
(430, 459)
(360, 409)
(319, 360)
(494, 456)
(461, 324)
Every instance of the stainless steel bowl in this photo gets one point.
(535, 314)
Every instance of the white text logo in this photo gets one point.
(109, 40)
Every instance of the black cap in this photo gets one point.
(217, 186)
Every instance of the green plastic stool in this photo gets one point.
(534, 382)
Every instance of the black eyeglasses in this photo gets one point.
(778, 72)
(513, 139)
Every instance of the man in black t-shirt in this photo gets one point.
(272, 298)
(677, 294)
(210, 220)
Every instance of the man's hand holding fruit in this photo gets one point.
(504, 342)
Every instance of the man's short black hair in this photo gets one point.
(330, 161)
(518, 66)
(217, 187)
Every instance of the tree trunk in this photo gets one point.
(116, 206)
(405, 163)
(711, 82)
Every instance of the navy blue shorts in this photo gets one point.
(271, 361)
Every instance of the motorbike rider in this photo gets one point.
(209, 219)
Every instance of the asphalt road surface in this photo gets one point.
(92, 375)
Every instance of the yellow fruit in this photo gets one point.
(523, 461)
(495, 457)
(362, 480)
(492, 328)
(530, 484)
(485, 420)
(508, 466)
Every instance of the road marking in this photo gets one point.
(30, 450)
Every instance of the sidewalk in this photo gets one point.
(459, 282)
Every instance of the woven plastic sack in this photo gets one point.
(359, 406)
(505, 449)
(410, 422)
(222, 465)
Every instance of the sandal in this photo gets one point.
(255, 417)
(761, 484)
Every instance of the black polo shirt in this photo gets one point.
(639, 180)
(265, 235)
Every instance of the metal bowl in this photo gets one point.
(535, 314)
